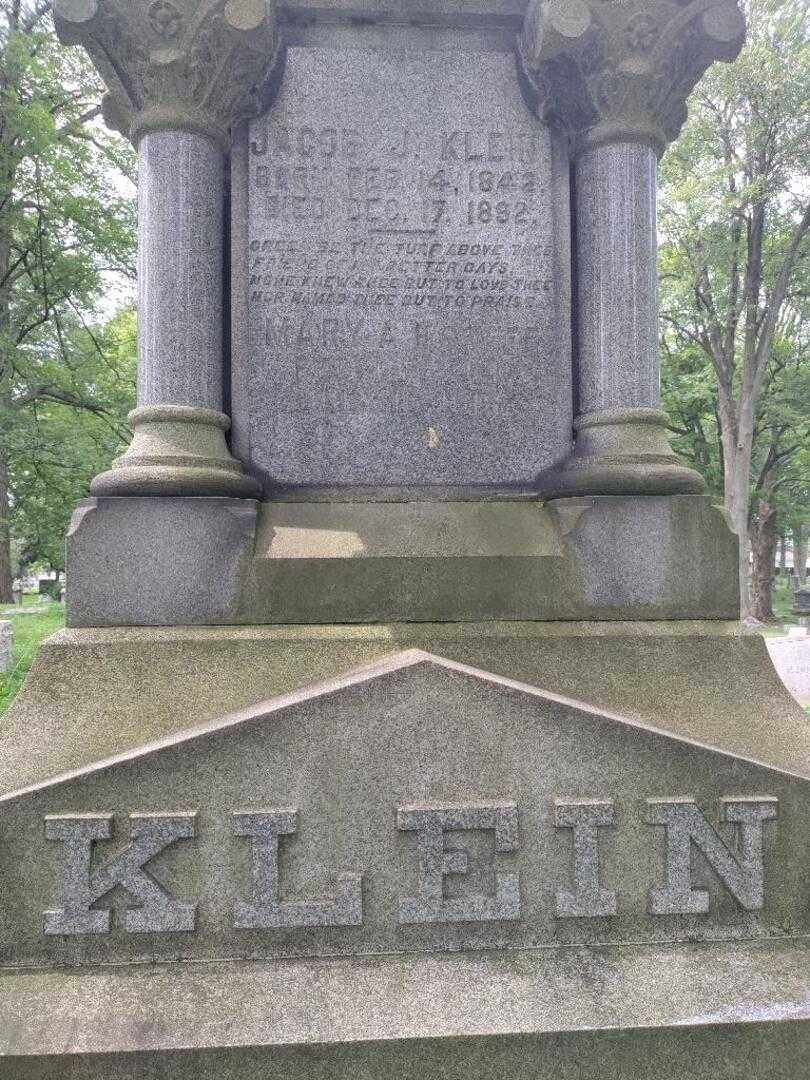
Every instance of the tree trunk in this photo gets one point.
(800, 539)
(783, 554)
(6, 578)
(6, 373)
(737, 468)
(764, 538)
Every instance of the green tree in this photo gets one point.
(735, 221)
(56, 449)
(781, 461)
(66, 237)
(780, 473)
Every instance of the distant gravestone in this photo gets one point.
(791, 658)
(6, 646)
(801, 605)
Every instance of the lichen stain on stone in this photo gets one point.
(432, 438)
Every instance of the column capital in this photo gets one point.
(621, 70)
(189, 65)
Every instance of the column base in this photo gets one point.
(177, 450)
(621, 452)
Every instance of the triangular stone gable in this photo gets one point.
(415, 804)
(369, 673)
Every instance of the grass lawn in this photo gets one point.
(782, 610)
(29, 632)
(783, 602)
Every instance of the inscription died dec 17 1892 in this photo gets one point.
(407, 276)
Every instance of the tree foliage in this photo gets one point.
(734, 267)
(55, 449)
(67, 229)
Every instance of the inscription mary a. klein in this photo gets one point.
(457, 220)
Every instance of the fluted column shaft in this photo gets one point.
(179, 76)
(621, 442)
(617, 281)
(616, 78)
(179, 442)
(180, 233)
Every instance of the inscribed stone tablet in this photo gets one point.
(408, 276)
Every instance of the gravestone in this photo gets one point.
(417, 735)
(406, 287)
(6, 646)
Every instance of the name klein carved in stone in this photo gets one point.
(83, 881)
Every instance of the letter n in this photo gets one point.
(740, 870)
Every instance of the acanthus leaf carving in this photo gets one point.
(611, 70)
(200, 65)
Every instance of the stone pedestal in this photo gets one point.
(232, 561)
(444, 754)
(411, 857)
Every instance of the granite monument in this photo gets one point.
(419, 736)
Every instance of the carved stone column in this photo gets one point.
(616, 77)
(180, 73)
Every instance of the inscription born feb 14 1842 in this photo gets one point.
(407, 285)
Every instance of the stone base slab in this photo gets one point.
(691, 1012)
(237, 562)
(130, 720)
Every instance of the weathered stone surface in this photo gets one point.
(6, 645)
(617, 278)
(710, 682)
(688, 1013)
(405, 281)
(463, 842)
(622, 73)
(419, 736)
(791, 658)
(179, 270)
(404, 807)
(180, 73)
(616, 78)
(209, 561)
(182, 560)
(668, 558)
(178, 65)
(621, 452)
(179, 445)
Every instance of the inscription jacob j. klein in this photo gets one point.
(387, 262)
(739, 868)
